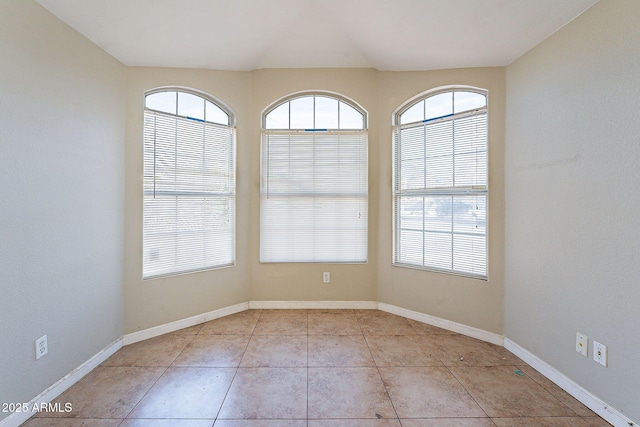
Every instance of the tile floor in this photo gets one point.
(315, 368)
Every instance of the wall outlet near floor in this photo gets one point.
(41, 347)
(326, 277)
(582, 344)
(600, 353)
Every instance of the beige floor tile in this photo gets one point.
(65, 422)
(348, 393)
(369, 312)
(426, 329)
(460, 350)
(275, 393)
(192, 330)
(166, 423)
(186, 393)
(339, 351)
(158, 351)
(401, 350)
(449, 422)
(108, 392)
(282, 322)
(276, 351)
(375, 322)
(344, 311)
(355, 423)
(241, 323)
(540, 422)
(595, 422)
(275, 368)
(503, 393)
(507, 356)
(564, 397)
(330, 322)
(428, 392)
(221, 351)
(282, 312)
(261, 423)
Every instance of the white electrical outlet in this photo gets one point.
(600, 353)
(582, 344)
(326, 277)
(41, 347)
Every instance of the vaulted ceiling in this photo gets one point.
(253, 34)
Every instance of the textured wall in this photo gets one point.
(299, 281)
(61, 198)
(564, 260)
(571, 173)
(472, 302)
(153, 302)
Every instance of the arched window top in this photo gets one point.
(190, 104)
(440, 185)
(441, 104)
(314, 111)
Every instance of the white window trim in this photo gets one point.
(231, 126)
(453, 191)
(264, 186)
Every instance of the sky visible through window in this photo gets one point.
(314, 112)
(186, 105)
(441, 216)
(443, 104)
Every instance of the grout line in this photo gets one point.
(191, 337)
(159, 377)
(547, 390)
(386, 390)
(147, 392)
(307, 368)
(236, 372)
(256, 324)
(465, 389)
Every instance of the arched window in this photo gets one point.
(440, 182)
(313, 187)
(189, 183)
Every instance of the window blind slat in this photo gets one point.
(440, 192)
(189, 195)
(313, 197)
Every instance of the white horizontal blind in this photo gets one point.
(440, 194)
(189, 194)
(313, 196)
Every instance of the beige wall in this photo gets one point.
(71, 206)
(153, 302)
(303, 282)
(572, 175)
(61, 205)
(472, 302)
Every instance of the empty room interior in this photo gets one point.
(208, 198)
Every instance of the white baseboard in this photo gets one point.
(345, 305)
(156, 331)
(17, 418)
(216, 314)
(444, 324)
(591, 401)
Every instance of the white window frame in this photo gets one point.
(203, 252)
(401, 191)
(295, 247)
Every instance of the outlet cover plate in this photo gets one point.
(326, 277)
(600, 353)
(41, 347)
(582, 344)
